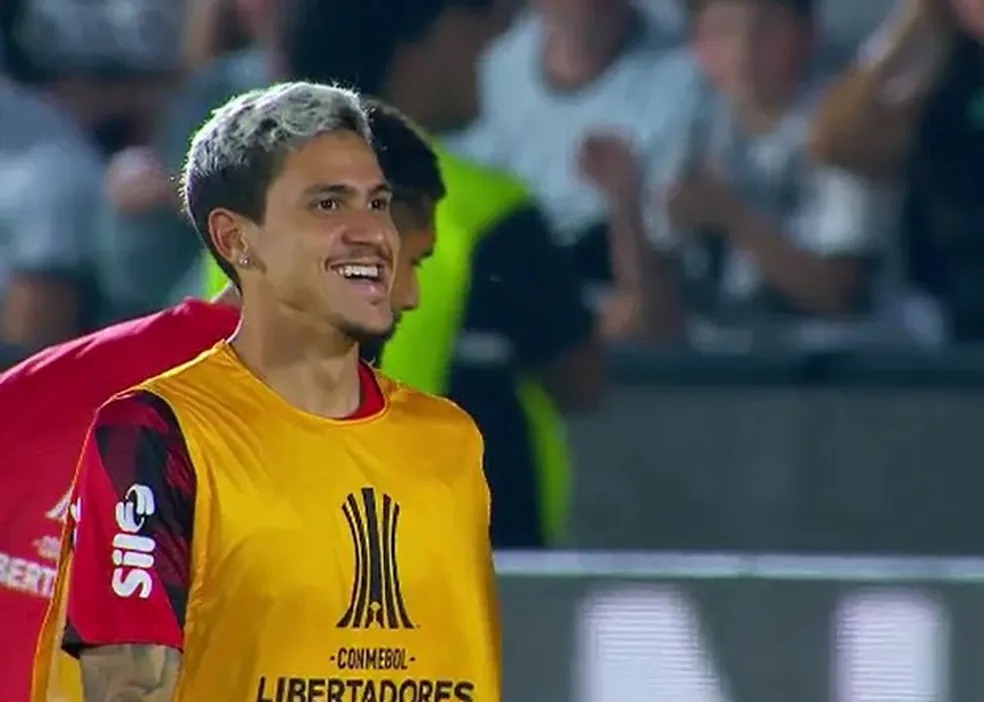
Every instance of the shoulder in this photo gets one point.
(137, 409)
(669, 67)
(426, 409)
(66, 383)
(516, 48)
(478, 195)
(183, 333)
(482, 177)
(520, 231)
(135, 430)
(125, 353)
(664, 82)
(190, 376)
(522, 219)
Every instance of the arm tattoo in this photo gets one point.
(130, 673)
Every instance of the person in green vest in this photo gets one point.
(502, 328)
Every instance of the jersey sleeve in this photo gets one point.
(133, 518)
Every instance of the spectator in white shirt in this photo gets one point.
(749, 231)
(564, 70)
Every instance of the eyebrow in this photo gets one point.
(344, 189)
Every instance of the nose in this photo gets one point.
(374, 230)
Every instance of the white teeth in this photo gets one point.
(370, 271)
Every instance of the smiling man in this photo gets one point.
(226, 486)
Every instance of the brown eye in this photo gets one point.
(380, 204)
(327, 204)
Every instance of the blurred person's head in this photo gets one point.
(285, 189)
(257, 18)
(112, 71)
(412, 169)
(970, 16)
(424, 59)
(580, 15)
(753, 51)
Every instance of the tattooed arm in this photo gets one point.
(130, 673)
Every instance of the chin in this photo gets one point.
(364, 333)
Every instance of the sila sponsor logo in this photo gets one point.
(133, 554)
(355, 690)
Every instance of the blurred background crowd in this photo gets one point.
(722, 175)
(769, 210)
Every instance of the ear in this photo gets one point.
(228, 233)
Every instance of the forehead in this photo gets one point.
(337, 158)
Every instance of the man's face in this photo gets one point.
(327, 247)
(751, 50)
(415, 222)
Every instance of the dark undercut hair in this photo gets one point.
(407, 160)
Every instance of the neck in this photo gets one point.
(575, 55)
(312, 365)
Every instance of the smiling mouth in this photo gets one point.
(368, 272)
(369, 279)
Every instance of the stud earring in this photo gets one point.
(244, 261)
